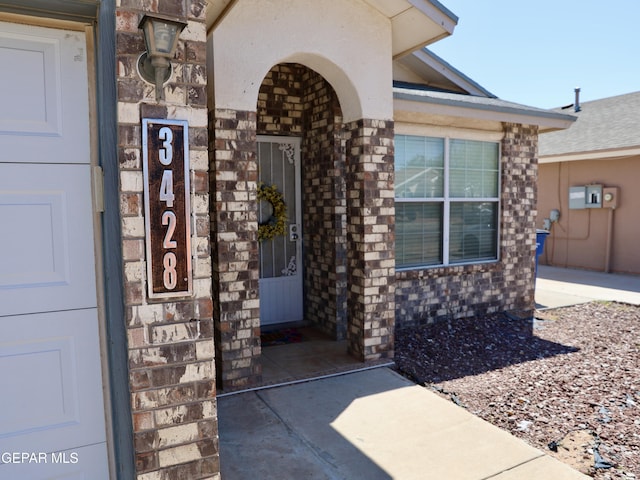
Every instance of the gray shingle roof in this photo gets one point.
(609, 123)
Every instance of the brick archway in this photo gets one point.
(348, 218)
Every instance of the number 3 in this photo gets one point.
(166, 152)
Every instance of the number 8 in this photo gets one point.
(170, 276)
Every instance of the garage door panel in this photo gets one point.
(41, 217)
(45, 244)
(54, 379)
(31, 106)
(40, 105)
(49, 366)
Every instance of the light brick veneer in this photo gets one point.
(370, 239)
(234, 233)
(170, 342)
(324, 210)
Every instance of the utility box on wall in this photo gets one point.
(589, 196)
(577, 198)
(594, 196)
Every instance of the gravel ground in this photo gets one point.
(567, 382)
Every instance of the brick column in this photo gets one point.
(370, 239)
(170, 341)
(234, 224)
(519, 204)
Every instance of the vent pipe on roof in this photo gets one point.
(576, 103)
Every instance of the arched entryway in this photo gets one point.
(296, 102)
(303, 276)
(341, 113)
(347, 218)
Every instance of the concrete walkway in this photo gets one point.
(375, 424)
(560, 287)
(370, 425)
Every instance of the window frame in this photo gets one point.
(446, 200)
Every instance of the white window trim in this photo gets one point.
(446, 200)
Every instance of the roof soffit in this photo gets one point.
(435, 72)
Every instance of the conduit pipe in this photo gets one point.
(609, 246)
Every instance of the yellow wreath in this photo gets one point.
(276, 224)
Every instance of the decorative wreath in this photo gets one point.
(276, 224)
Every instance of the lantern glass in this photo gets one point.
(164, 35)
(161, 39)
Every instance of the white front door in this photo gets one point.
(280, 256)
(52, 417)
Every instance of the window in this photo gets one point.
(447, 201)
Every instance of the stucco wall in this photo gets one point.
(354, 57)
(579, 239)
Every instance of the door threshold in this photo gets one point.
(368, 366)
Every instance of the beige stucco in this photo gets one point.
(584, 238)
(354, 56)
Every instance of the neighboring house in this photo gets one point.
(144, 241)
(588, 174)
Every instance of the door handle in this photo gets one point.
(293, 232)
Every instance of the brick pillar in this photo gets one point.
(234, 224)
(170, 341)
(370, 239)
(519, 204)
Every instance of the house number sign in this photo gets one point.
(165, 164)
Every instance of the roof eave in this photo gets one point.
(423, 23)
(546, 121)
(606, 154)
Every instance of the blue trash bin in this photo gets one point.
(541, 236)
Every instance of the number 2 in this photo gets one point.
(169, 219)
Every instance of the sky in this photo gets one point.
(537, 52)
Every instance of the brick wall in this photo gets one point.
(234, 236)
(370, 239)
(423, 296)
(325, 214)
(280, 106)
(171, 350)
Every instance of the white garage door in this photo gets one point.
(52, 420)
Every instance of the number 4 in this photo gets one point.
(166, 188)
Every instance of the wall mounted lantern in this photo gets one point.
(161, 38)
